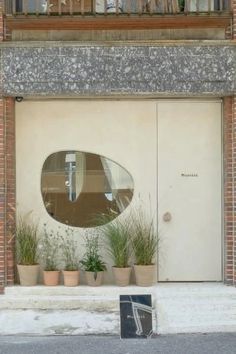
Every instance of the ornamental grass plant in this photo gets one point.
(144, 237)
(27, 241)
(117, 235)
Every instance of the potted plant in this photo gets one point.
(145, 243)
(26, 235)
(71, 260)
(118, 246)
(92, 262)
(49, 246)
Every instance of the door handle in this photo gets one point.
(167, 217)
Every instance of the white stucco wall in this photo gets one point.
(123, 131)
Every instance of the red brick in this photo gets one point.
(230, 187)
(7, 190)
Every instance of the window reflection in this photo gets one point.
(77, 186)
(32, 6)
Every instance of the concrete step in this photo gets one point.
(191, 308)
(58, 322)
(183, 290)
(104, 298)
(108, 298)
(64, 310)
(81, 290)
(177, 308)
(93, 303)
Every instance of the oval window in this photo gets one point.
(78, 186)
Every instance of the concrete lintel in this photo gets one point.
(76, 69)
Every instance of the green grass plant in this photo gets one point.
(117, 235)
(26, 242)
(144, 237)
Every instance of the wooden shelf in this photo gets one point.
(99, 22)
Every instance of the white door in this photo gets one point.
(189, 190)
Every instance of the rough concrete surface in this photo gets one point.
(223, 343)
(177, 308)
(56, 68)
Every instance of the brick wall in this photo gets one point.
(229, 29)
(1, 20)
(228, 188)
(10, 187)
(7, 191)
(7, 181)
(234, 19)
(2, 174)
(229, 114)
(5, 33)
(2, 196)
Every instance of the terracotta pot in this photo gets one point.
(93, 280)
(28, 274)
(122, 275)
(71, 277)
(145, 274)
(51, 277)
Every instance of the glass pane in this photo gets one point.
(31, 6)
(77, 186)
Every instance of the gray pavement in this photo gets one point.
(223, 343)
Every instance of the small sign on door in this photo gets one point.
(136, 316)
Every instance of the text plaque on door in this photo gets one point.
(189, 174)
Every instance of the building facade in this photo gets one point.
(147, 86)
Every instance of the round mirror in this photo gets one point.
(78, 186)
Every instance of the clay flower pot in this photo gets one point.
(145, 274)
(51, 277)
(28, 274)
(71, 277)
(94, 279)
(122, 275)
